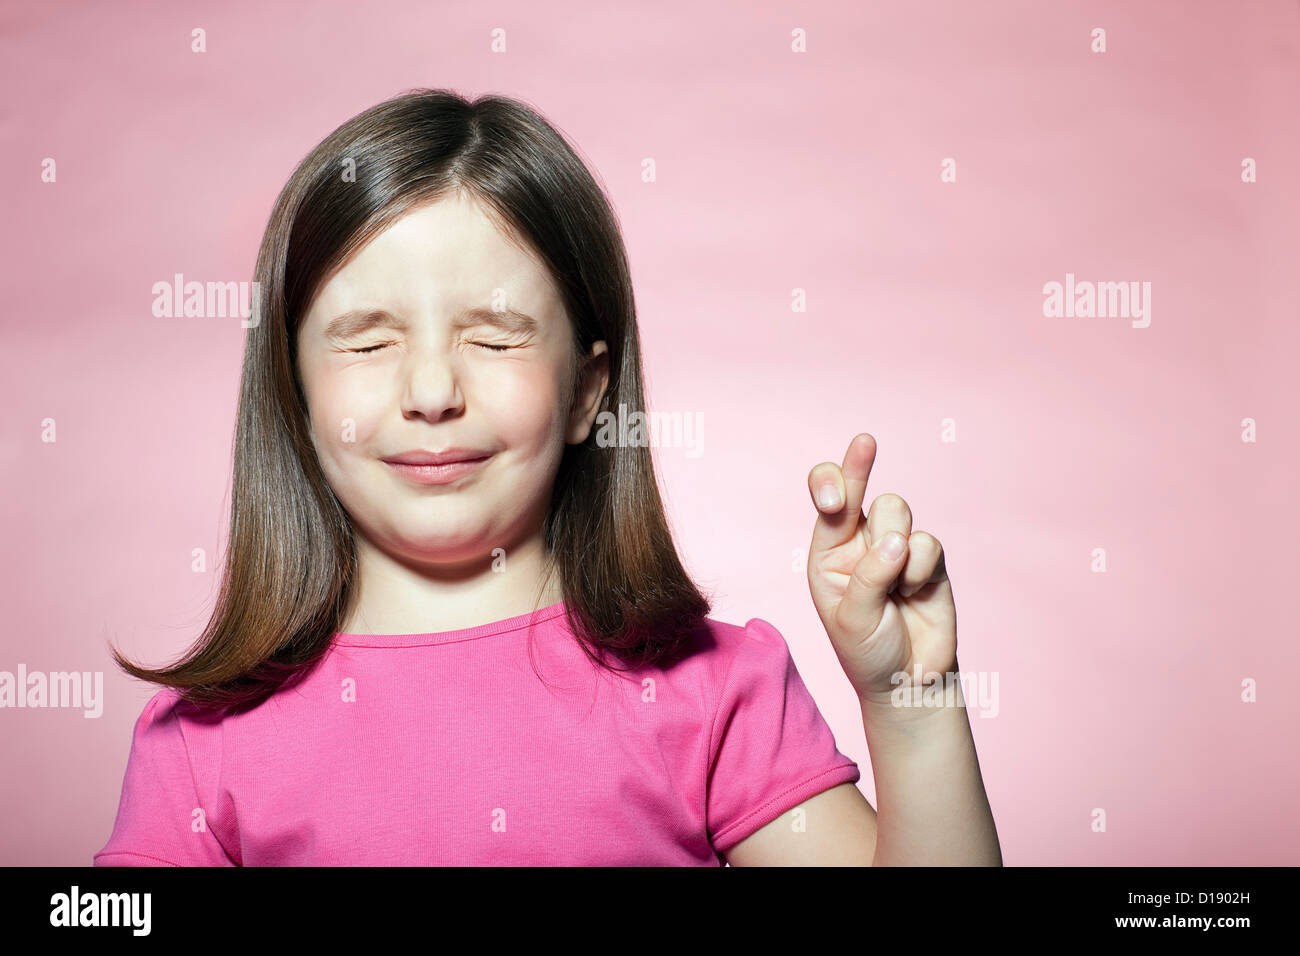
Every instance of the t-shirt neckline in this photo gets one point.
(518, 622)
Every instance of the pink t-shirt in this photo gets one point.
(446, 749)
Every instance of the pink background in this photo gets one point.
(776, 170)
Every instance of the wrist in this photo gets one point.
(913, 698)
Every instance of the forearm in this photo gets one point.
(931, 806)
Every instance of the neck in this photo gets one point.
(395, 595)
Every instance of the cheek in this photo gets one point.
(345, 414)
(524, 403)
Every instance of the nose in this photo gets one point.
(432, 386)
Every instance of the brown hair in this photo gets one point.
(291, 561)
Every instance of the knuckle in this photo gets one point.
(932, 548)
(891, 501)
(927, 540)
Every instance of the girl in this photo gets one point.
(453, 627)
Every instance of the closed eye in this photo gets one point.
(486, 345)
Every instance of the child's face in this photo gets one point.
(430, 382)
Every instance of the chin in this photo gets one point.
(441, 544)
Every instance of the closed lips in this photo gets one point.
(450, 456)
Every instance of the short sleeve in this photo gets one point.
(160, 818)
(770, 747)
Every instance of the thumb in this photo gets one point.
(867, 593)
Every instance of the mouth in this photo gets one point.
(437, 468)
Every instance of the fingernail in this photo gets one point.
(829, 497)
(891, 546)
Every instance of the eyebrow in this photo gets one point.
(361, 320)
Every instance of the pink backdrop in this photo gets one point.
(1030, 445)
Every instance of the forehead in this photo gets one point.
(446, 254)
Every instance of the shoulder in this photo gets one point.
(726, 655)
(715, 643)
(164, 707)
(169, 724)
(719, 643)
(170, 706)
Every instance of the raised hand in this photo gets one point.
(885, 611)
